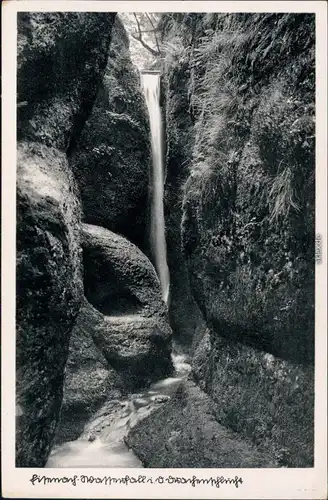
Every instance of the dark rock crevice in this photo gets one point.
(185, 317)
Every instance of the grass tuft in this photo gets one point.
(282, 195)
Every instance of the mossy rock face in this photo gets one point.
(248, 206)
(60, 63)
(185, 317)
(49, 291)
(260, 397)
(184, 433)
(246, 148)
(113, 157)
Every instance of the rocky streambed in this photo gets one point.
(102, 442)
(171, 424)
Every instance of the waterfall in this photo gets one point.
(151, 87)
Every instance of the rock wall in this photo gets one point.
(49, 290)
(248, 207)
(61, 59)
(91, 324)
(112, 159)
(60, 62)
(89, 379)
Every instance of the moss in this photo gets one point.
(242, 132)
(248, 206)
(184, 433)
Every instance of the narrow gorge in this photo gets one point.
(165, 240)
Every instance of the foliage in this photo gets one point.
(142, 28)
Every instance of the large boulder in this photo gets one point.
(130, 318)
(49, 290)
(113, 157)
(259, 396)
(61, 59)
(184, 433)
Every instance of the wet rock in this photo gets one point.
(103, 421)
(113, 157)
(160, 399)
(138, 402)
(130, 322)
(49, 292)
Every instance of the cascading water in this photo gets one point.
(109, 426)
(151, 87)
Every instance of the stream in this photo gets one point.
(102, 442)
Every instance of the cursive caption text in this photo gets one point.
(194, 481)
